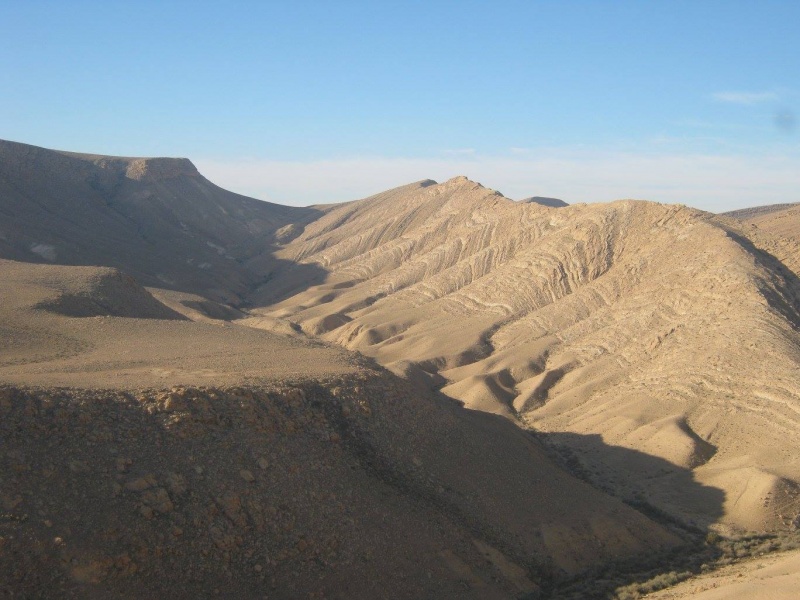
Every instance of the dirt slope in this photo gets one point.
(650, 328)
(759, 213)
(90, 326)
(784, 222)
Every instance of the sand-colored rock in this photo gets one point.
(657, 329)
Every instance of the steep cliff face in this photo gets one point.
(160, 169)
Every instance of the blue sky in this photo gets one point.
(303, 102)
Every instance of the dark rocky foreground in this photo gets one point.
(301, 489)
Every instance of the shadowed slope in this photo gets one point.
(774, 229)
(158, 219)
(545, 201)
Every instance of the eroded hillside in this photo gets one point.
(632, 324)
(774, 229)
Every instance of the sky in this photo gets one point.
(693, 102)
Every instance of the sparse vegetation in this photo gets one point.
(702, 554)
(659, 582)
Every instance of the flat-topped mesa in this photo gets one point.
(148, 169)
(29, 162)
(159, 169)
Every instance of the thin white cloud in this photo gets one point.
(745, 98)
(461, 151)
(710, 182)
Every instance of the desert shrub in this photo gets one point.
(659, 582)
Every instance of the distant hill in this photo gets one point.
(775, 229)
(758, 211)
(158, 219)
(544, 201)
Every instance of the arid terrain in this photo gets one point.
(774, 577)
(432, 392)
(655, 344)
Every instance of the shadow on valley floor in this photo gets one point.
(666, 493)
(283, 280)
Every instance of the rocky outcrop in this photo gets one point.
(160, 169)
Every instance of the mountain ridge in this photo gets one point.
(134, 214)
(528, 312)
(649, 350)
(162, 445)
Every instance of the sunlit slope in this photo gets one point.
(655, 327)
(773, 577)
